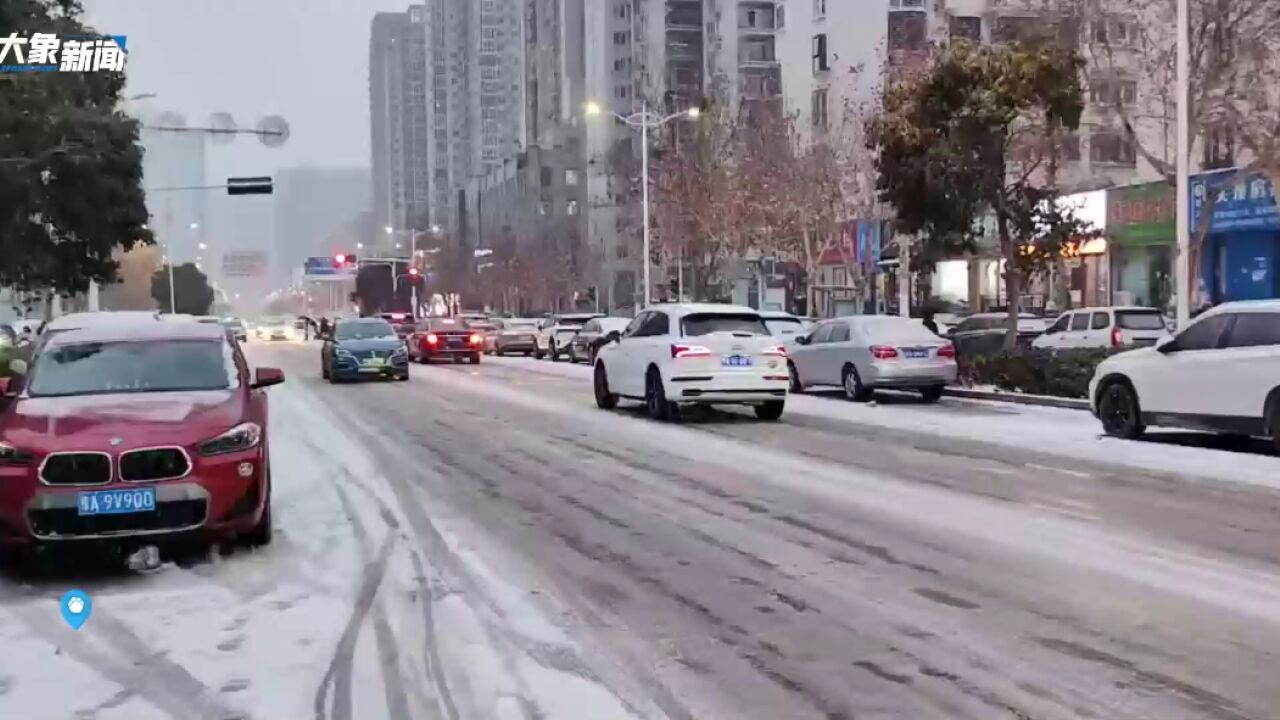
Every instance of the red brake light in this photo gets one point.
(432, 338)
(474, 339)
(777, 350)
(947, 351)
(689, 351)
(1116, 340)
(883, 352)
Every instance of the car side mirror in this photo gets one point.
(1167, 346)
(266, 377)
(18, 366)
(802, 339)
(612, 337)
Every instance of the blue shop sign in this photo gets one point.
(1241, 202)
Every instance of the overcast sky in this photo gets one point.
(306, 60)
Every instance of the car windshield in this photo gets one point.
(696, 324)
(1140, 320)
(364, 330)
(784, 326)
(133, 366)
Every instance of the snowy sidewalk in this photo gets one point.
(1070, 434)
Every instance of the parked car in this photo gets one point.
(863, 353)
(555, 334)
(586, 343)
(984, 333)
(785, 326)
(445, 337)
(673, 355)
(1221, 374)
(124, 468)
(486, 329)
(1104, 327)
(516, 335)
(363, 348)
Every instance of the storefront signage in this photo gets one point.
(1240, 202)
(1141, 214)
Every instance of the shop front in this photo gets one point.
(1141, 248)
(1237, 258)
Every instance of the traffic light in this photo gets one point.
(413, 272)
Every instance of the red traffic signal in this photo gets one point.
(339, 259)
(413, 272)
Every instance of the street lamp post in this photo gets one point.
(645, 120)
(1183, 215)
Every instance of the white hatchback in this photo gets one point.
(1104, 327)
(1220, 374)
(693, 354)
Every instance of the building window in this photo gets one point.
(820, 53)
(819, 108)
(819, 8)
(966, 28)
(1113, 147)
(907, 30)
(1219, 148)
(571, 207)
(758, 50)
(1069, 147)
(620, 38)
(1112, 91)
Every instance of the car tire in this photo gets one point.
(605, 400)
(796, 387)
(403, 378)
(851, 382)
(771, 410)
(475, 359)
(1118, 410)
(573, 354)
(260, 534)
(537, 355)
(656, 405)
(931, 394)
(554, 353)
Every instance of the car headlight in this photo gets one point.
(241, 437)
(402, 350)
(10, 455)
(344, 354)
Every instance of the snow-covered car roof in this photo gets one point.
(680, 309)
(72, 321)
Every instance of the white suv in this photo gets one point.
(1103, 327)
(1220, 374)
(695, 353)
(556, 333)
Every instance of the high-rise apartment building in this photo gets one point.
(399, 114)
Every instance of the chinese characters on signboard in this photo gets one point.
(47, 52)
(1239, 203)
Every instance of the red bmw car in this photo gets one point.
(136, 434)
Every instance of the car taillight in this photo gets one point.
(947, 351)
(689, 351)
(883, 352)
(474, 339)
(1116, 340)
(432, 338)
(776, 350)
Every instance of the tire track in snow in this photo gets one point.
(338, 676)
(388, 648)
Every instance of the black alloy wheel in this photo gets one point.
(1119, 412)
(771, 410)
(852, 383)
(797, 387)
(605, 400)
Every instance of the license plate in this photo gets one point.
(115, 502)
(916, 353)
(736, 361)
(373, 362)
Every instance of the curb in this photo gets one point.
(1018, 398)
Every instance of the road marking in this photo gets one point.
(1064, 471)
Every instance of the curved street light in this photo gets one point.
(644, 120)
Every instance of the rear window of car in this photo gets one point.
(697, 324)
(445, 324)
(573, 321)
(1140, 320)
(363, 330)
(896, 330)
(128, 367)
(784, 326)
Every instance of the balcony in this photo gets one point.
(757, 52)
(758, 18)
(684, 18)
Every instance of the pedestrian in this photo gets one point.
(931, 324)
(324, 328)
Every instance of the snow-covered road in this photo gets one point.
(481, 542)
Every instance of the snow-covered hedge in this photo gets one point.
(1064, 373)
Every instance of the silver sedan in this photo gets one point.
(861, 353)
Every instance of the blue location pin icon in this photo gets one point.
(76, 607)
